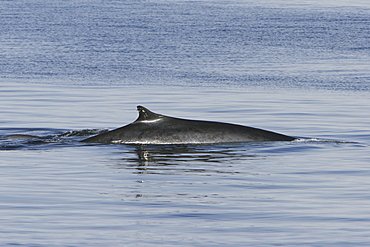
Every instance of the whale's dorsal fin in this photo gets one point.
(147, 115)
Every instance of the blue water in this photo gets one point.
(71, 69)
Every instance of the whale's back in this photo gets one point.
(152, 128)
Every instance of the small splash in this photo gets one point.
(83, 133)
(318, 140)
(32, 138)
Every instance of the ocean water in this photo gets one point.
(72, 69)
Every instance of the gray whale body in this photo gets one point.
(153, 128)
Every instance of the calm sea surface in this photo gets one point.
(71, 69)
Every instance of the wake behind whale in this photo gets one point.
(153, 128)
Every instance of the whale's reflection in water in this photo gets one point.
(170, 159)
(186, 173)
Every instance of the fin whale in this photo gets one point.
(153, 128)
